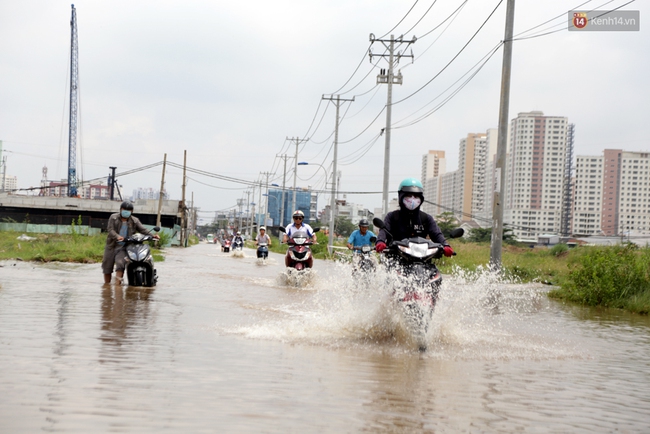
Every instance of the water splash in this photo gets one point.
(478, 315)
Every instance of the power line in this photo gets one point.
(455, 57)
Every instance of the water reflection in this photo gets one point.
(126, 311)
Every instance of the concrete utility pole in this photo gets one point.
(500, 172)
(240, 204)
(284, 182)
(266, 205)
(338, 101)
(295, 170)
(259, 206)
(161, 195)
(183, 207)
(388, 77)
(248, 212)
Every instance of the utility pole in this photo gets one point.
(338, 100)
(295, 170)
(183, 207)
(193, 216)
(389, 78)
(266, 207)
(240, 204)
(160, 195)
(259, 206)
(4, 172)
(248, 213)
(284, 182)
(500, 181)
(112, 187)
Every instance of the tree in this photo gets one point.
(343, 226)
(447, 223)
(484, 235)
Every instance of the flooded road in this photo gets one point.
(223, 344)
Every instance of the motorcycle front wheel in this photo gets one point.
(139, 277)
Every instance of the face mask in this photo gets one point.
(411, 202)
(126, 214)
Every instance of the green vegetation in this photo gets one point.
(612, 276)
(73, 247)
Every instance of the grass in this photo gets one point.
(57, 248)
(612, 276)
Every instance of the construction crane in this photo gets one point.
(74, 83)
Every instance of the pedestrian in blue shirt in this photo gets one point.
(361, 236)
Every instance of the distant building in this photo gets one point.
(612, 194)
(304, 202)
(351, 211)
(9, 183)
(148, 193)
(535, 174)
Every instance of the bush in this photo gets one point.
(608, 276)
(559, 249)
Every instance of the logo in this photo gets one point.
(579, 20)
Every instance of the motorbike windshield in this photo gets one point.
(299, 237)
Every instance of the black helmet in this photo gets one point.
(127, 205)
(364, 223)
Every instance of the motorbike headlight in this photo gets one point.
(133, 255)
(418, 250)
(365, 249)
(299, 241)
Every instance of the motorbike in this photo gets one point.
(299, 253)
(363, 259)
(237, 244)
(263, 250)
(225, 246)
(139, 261)
(418, 279)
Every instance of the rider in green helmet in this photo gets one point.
(408, 221)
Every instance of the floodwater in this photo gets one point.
(224, 344)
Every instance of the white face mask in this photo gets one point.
(411, 202)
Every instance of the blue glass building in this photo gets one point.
(303, 203)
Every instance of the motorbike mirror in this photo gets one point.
(316, 230)
(373, 239)
(378, 222)
(156, 228)
(281, 229)
(457, 233)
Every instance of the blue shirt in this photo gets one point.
(358, 240)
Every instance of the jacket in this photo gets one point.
(115, 223)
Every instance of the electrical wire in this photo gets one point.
(482, 62)
(400, 21)
(421, 18)
(455, 57)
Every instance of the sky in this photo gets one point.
(229, 82)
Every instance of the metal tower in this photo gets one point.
(74, 82)
(567, 194)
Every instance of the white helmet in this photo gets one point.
(262, 228)
(238, 233)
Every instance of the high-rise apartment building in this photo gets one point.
(612, 194)
(535, 173)
(433, 164)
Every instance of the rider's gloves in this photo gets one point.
(448, 251)
(380, 246)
